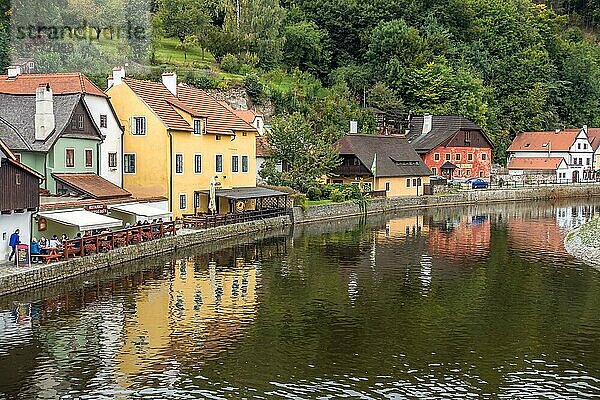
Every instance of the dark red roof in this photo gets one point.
(535, 163)
(544, 141)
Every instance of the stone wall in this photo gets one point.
(582, 243)
(44, 274)
(380, 205)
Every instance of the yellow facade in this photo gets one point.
(156, 151)
(398, 185)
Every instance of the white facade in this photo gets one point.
(113, 142)
(8, 224)
(561, 174)
(579, 158)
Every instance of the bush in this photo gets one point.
(254, 87)
(202, 80)
(314, 193)
(299, 199)
(337, 196)
(230, 63)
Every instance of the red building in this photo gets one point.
(451, 146)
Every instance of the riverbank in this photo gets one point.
(383, 205)
(583, 243)
(14, 279)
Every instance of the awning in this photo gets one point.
(84, 220)
(448, 165)
(142, 209)
(246, 193)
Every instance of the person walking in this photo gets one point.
(13, 242)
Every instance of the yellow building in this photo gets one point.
(380, 163)
(178, 138)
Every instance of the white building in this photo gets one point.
(540, 155)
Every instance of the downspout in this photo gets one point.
(170, 171)
(98, 158)
(46, 171)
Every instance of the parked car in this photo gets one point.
(477, 183)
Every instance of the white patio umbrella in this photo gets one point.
(212, 201)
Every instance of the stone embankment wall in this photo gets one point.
(380, 205)
(583, 243)
(44, 274)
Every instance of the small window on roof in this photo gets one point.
(526, 145)
(545, 145)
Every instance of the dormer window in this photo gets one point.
(527, 145)
(77, 122)
(199, 127)
(545, 145)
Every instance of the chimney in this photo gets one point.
(427, 123)
(44, 112)
(118, 73)
(353, 127)
(585, 129)
(13, 71)
(169, 79)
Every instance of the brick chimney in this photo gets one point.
(427, 123)
(44, 112)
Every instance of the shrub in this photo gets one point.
(202, 80)
(337, 196)
(254, 87)
(314, 193)
(299, 199)
(230, 63)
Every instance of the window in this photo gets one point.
(103, 121)
(468, 172)
(129, 163)
(197, 163)
(138, 126)
(367, 187)
(89, 158)
(18, 179)
(418, 181)
(77, 122)
(408, 183)
(470, 157)
(436, 157)
(414, 181)
(467, 137)
(483, 157)
(589, 161)
(457, 156)
(18, 157)
(182, 201)
(387, 186)
(235, 163)
(197, 127)
(447, 155)
(434, 171)
(112, 160)
(70, 158)
(481, 174)
(578, 146)
(585, 145)
(179, 163)
(218, 163)
(244, 163)
(217, 137)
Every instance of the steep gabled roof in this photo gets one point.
(220, 119)
(443, 128)
(13, 160)
(17, 121)
(544, 141)
(594, 137)
(158, 98)
(70, 83)
(535, 163)
(395, 156)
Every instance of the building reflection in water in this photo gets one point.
(189, 318)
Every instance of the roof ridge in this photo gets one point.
(16, 131)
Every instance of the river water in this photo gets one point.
(471, 302)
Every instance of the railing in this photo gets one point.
(205, 221)
(105, 242)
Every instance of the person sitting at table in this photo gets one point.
(54, 243)
(35, 248)
(77, 244)
(64, 238)
(43, 242)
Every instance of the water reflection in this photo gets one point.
(478, 301)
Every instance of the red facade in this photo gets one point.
(472, 162)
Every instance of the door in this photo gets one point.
(575, 176)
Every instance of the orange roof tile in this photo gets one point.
(594, 137)
(246, 115)
(535, 163)
(544, 141)
(221, 119)
(157, 97)
(69, 83)
(92, 185)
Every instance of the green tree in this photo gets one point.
(306, 154)
(305, 47)
(4, 34)
(183, 19)
(386, 99)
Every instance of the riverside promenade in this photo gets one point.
(14, 279)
